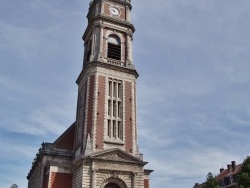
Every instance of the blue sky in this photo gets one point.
(193, 91)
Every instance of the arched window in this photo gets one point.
(114, 47)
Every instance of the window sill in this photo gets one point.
(114, 141)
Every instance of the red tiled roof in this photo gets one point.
(227, 173)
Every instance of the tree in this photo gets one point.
(211, 181)
(244, 174)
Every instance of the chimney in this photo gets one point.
(196, 185)
(229, 167)
(233, 165)
(221, 170)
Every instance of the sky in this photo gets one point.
(193, 93)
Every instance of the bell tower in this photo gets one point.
(106, 109)
(106, 151)
(109, 32)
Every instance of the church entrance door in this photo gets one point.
(112, 185)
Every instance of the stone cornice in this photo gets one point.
(105, 65)
(58, 153)
(103, 17)
(148, 171)
(142, 163)
(116, 155)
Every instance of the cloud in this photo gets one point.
(48, 120)
(29, 42)
(38, 32)
(193, 90)
(11, 150)
(177, 167)
(15, 157)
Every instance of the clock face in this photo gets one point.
(115, 11)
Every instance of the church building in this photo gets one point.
(100, 149)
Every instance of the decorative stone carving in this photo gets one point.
(114, 157)
(115, 174)
(116, 166)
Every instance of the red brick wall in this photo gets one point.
(90, 105)
(128, 117)
(146, 183)
(61, 180)
(106, 8)
(67, 140)
(123, 13)
(100, 111)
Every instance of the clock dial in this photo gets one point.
(115, 11)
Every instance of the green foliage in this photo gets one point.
(211, 181)
(244, 175)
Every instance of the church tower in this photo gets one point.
(106, 149)
(100, 149)
(106, 109)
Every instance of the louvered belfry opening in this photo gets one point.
(89, 51)
(114, 47)
(88, 55)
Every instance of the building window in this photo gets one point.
(115, 109)
(114, 47)
(109, 128)
(88, 51)
(231, 179)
